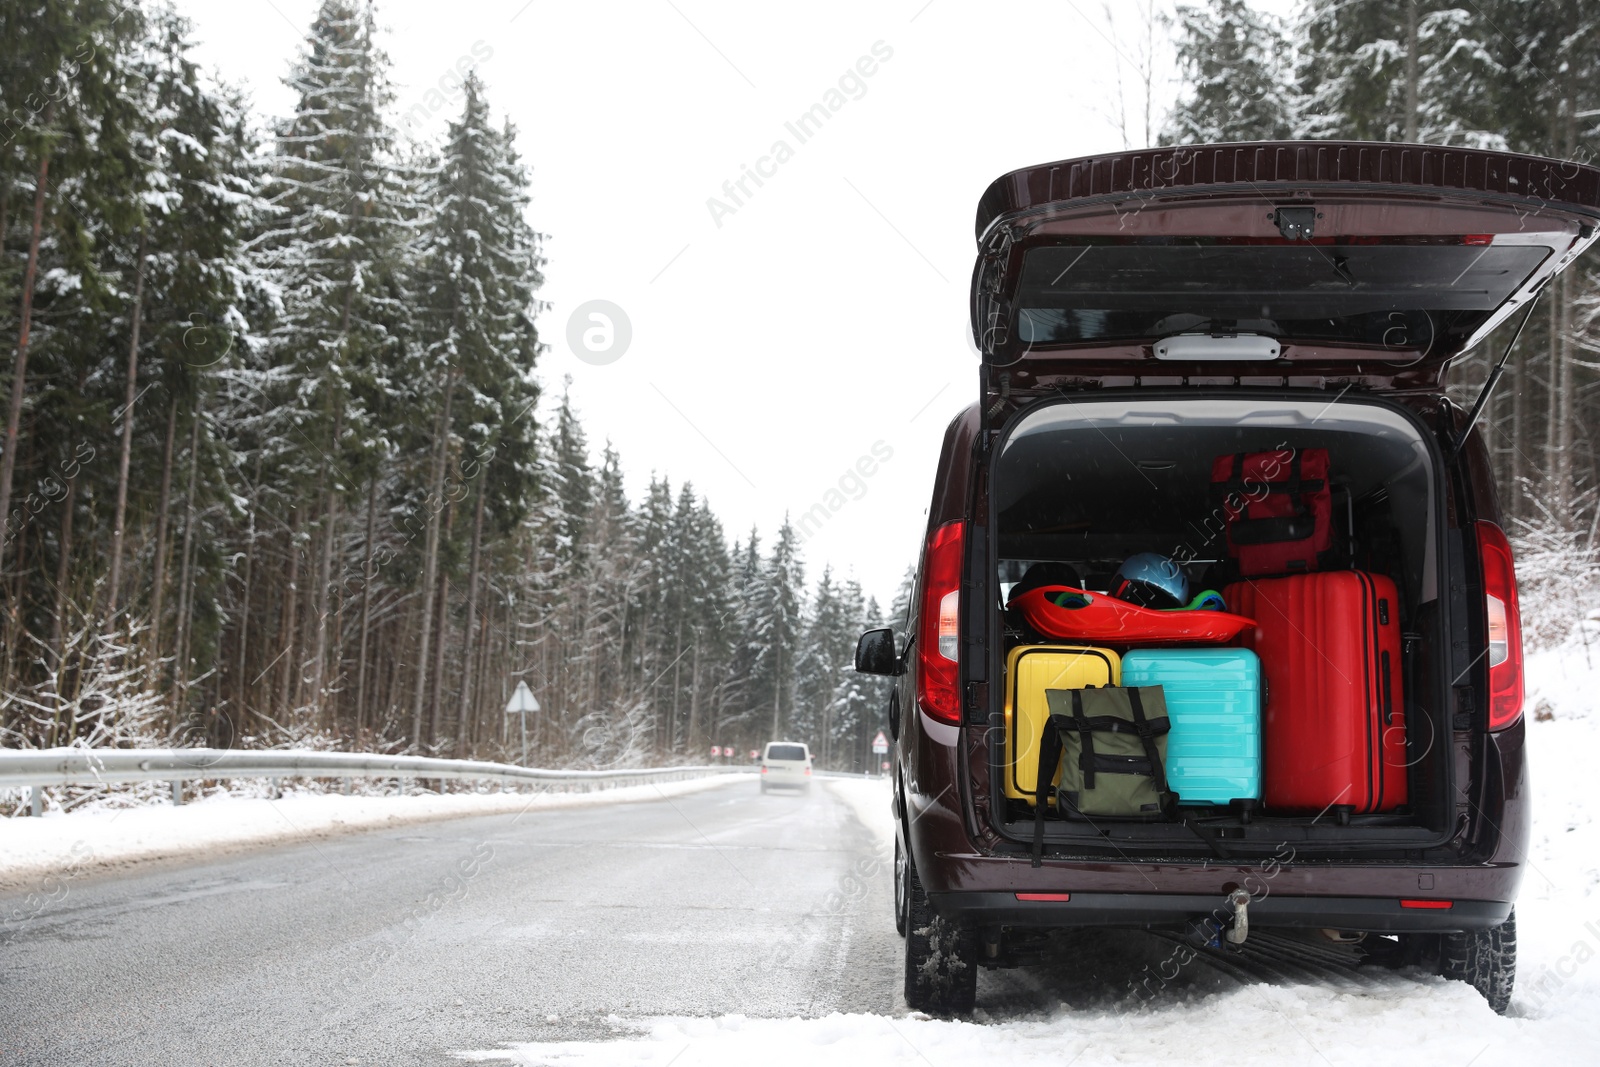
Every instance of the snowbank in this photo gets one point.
(1260, 1024)
(84, 842)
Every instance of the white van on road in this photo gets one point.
(786, 764)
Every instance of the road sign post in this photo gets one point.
(880, 747)
(522, 701)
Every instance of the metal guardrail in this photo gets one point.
(81, 766)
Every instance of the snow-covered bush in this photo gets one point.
(1558, 580)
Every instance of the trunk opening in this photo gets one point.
(1085, 484)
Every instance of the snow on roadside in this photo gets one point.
(1558, 912)
(1273, 1024)
(83, 842)
(869, 799)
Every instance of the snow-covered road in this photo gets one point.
(400, 946)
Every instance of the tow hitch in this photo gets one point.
(1241, 917)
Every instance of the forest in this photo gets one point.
(273, 468)
(276, 470)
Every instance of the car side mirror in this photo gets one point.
(875, 653)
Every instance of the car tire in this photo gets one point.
(941, 957)
(902, 889)
(1484, 959)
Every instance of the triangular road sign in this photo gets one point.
(522, 701)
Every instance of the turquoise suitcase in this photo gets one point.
(1214, 703)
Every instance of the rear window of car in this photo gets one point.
(1397, 295)
(786, 752)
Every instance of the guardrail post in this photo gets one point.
(177, 794)
(36, 801)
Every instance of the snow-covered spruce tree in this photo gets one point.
(859, 701)
(776, 630)
(473, 321)
(1552, 106)
(555, 612)
(333, 250)
(1400, 70)
(1235, 64)
(738, 702)
(709, 617)
(824, 658)
(187, 338)
(67, 176)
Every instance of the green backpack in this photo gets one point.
(1112, 744)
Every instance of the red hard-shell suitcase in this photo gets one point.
(1334, 733)
(1278, 508)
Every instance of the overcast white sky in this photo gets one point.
(827, 313)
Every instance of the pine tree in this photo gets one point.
(333, 250)
(1401, 70)
(818, 664)
(1234, 60)
(473, 321)
(776, 632)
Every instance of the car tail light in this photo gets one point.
(1504, 626)
(1478, 239)
(763, 768)
(938, 638)
(808, 770)
(1431, 905)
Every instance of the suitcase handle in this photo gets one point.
(1297, 527)
(1387, 696)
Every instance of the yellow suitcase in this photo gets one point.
(1030, 670)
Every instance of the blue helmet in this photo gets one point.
(1151, 580)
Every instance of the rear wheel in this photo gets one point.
(1484, 959)
(941, 957)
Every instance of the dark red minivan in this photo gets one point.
(1138, 316)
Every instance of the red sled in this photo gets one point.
(1100, 617)
(1277, 508)
(1334, 730)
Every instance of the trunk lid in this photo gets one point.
(1266, 264)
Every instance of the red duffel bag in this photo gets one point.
(1277, 509)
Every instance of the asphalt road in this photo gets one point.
(400, 947)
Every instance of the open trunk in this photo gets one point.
(1089, 482)
(1141, 315)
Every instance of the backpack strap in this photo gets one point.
(1049, 756)
(1147, 737)
(1085, 728)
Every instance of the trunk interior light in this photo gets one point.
(1503, 626)
(938, 629)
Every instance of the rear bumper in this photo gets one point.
(1371, 914)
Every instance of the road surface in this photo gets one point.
(399, 947)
